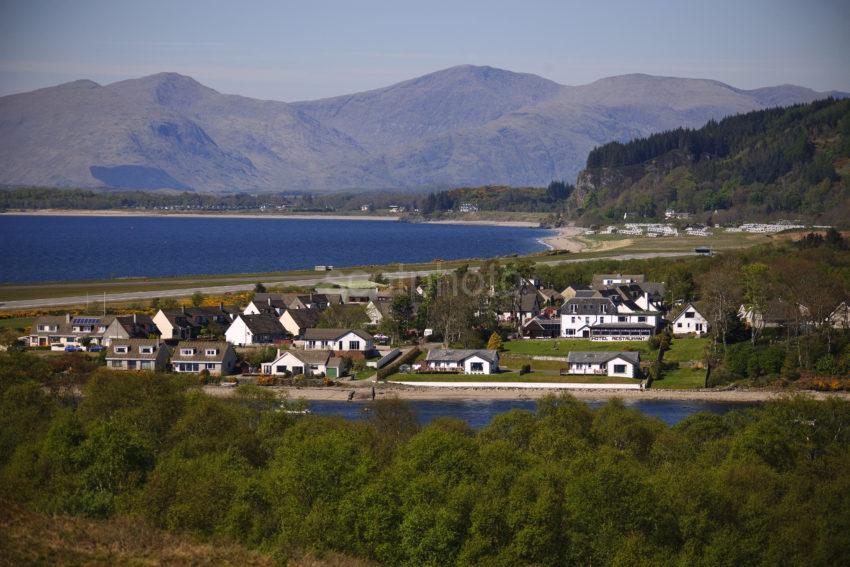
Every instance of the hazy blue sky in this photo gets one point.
(298, 50)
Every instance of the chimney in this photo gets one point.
(67, 318)
(269, 301)
(221, 306)
(183, 309)
(134, 318)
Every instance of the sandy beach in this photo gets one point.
(566, 239)
(363, 392)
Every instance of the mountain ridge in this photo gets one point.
(461, 126)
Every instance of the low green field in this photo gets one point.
(560, 347)
(16, 323)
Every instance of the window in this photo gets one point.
(690, 315)
(619, 369)
(476, 367)
(212, 351)
(353, 345)
(122, 349)
(211, 365)
(621, 319)
(187, 351)
(280, 369)
(146, 350)
(641, 319)
(572, 319)
(678, 325)
(115, 363)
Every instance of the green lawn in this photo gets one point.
(683, 351)
(560, 347)
(681, 379)
(686, 349)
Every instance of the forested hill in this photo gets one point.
(775, 163)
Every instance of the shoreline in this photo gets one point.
(412, 393)
(565, 239)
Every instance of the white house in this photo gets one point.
(67, 329)
(254, 330)
(304, 362)
(690, 322)
(137, 354)
(600, 319)
(337, 340)
(217, 357)
(465, 361)
(840, 317)
(603, 363)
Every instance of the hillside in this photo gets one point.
(789, 162)
(463, 126)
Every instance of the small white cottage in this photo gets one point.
(465, 361)
(690, 322)
(604, 363)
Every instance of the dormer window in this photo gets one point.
(122, 349)
(146, 350)
(187, 351)
(212, 351)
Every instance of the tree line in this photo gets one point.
(561, 484)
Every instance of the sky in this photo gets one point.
(298, 50)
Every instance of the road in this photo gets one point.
(304, 282)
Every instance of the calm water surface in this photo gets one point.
(37, 248)
(478, 413)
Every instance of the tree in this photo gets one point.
(401, 315)
(343, 317)
(197, 298)
(756, 282)
(259, 288)
(495, 342)
(452, 311)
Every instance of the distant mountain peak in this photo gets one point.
(463, 125)
(168, 89)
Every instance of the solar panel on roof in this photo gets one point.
(85, 321)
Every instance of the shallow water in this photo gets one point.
(479, 413)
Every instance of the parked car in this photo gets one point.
(57, 346)
(95, 348)
(73, 348)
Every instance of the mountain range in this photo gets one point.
(462, 126)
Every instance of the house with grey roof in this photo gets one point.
(262, 329)
(216, 357)
(131, 326)
(137, 354)
(68, 329)
(306, 363)
(623, 364)
(607, 319)
(463, 361)
(690, 322)
(336, 340)
(296, 321)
